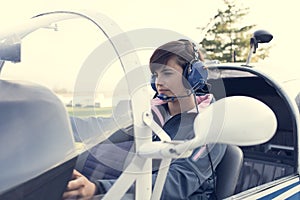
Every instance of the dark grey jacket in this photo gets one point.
(188, 178)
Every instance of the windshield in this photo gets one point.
(86, 70)
(76, 61)
(292, 86)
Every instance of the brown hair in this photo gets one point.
(181, 50)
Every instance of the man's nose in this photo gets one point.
(159, 80)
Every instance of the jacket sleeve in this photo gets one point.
(185, 176)
(85, 128)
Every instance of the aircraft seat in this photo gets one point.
(37, 147)
(228, 171)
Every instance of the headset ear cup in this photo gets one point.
(185, 76)
(198, 75)
(152, 82)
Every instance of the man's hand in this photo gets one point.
(80, 187)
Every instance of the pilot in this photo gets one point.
(179, 80)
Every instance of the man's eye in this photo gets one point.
(168, 73)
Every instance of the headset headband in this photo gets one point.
(194, 72)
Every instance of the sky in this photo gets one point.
(278, 17)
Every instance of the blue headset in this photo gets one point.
(195, 74)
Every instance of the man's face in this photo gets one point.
(169, 79)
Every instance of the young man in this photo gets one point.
(179, 80)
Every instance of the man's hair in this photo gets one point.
(182, 51)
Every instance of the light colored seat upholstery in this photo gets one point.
(37, 148)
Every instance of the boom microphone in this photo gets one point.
(171, 98)
(197, 85)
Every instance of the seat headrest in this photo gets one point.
(35, 132)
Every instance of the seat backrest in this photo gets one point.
(37, 147)
(228, 171)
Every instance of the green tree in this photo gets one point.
(228, 39)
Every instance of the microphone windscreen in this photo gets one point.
(162, 97)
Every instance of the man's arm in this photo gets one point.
(84, 128)
(185, 176)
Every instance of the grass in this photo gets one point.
(89, 111)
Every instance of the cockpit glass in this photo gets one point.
(86, 70)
